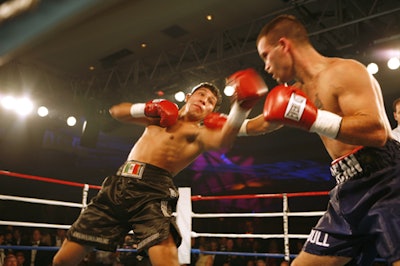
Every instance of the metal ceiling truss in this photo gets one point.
(336, 27)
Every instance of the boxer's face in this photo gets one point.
(277, 59)
(396, 113)
(201, 102)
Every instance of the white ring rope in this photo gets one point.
(263, 236)
(41, 201)
(41, 225)
(271, 214)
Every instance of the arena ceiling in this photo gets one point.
(183, 48)
(49, 48)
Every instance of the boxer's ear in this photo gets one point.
(188, 95)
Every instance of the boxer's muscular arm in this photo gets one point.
(360, 102)
(257, 126)
(121, 112)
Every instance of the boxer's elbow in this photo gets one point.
(120, 111)
(114, 111)
(379, 135)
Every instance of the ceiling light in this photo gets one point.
(23, 106)
(209, 17)
(180, 96)
(8, 102)
(42, 111)
(71, 121)
(372, 68)
(229, 90)
(393, 63)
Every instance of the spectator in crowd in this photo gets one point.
(2, 251)
(10, 260)
(36, 257)
(127, 258)
(273, 248)
(17, 237)
(205, 259)
(396, 114)
(59, 237)
(20, 258)
(261, 262)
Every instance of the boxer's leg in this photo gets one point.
(164, 253)
(308, 259)
(70, 254)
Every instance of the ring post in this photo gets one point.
(184, 221)
(85, 196)
(286, 227)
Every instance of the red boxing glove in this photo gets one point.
(165, 110)
(249, 87)
(290, 106)
(215, 120)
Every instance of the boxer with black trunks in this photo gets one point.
(141, 196)
(340, 101)
(136, 184)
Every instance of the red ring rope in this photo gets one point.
(194, 198)
(47, 179)
(260, 196)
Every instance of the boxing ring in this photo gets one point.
(184, 215)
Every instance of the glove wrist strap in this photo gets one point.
(243, 129)
(237, 115)
(327, 124)
(137, 110)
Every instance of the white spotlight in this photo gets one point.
(393, 63)
(42, 111)
(8, 102)
(372, 68)
(23, 106)
(71, 121)
(180, 96)
(229, 91)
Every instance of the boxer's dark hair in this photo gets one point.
(213, 89)
(395, 102)
(284, 26)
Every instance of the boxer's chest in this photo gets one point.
(186, 132)
(315, 93)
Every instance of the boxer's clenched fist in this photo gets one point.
(215, 120)
(159, 108)
(249, 87)
(165, 110)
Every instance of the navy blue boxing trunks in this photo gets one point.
(139, 197)
(363, 215)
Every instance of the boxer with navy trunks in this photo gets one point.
(141, 196)
(340, 101)
(368, 177)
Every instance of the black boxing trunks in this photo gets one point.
(139, 197)
(363, 215)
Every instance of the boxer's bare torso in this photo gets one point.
(170, 148)
(358, 102)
